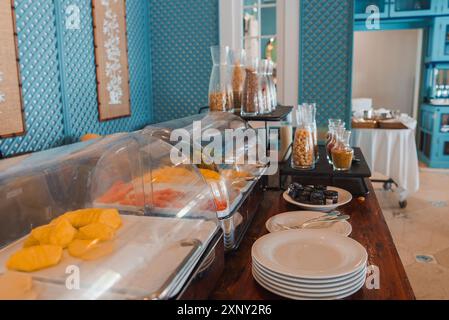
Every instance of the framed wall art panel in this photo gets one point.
(11, 106)
(111, 56)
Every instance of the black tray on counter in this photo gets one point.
(352, 180)
(281, 113)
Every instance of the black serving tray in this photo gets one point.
(352, 180)
(280, 114)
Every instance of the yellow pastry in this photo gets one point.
(96, 231)
(62, 233)
(31, 242)
(35, 258)
(42, 233)
(90, 249)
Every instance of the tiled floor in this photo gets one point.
(421, 233)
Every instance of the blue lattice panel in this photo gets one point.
(39, 67)
(59, 79)
(80, 75)
(326, 57)
(182, 33)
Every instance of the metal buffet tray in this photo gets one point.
(127, 273)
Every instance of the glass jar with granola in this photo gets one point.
(221, 97)
(303, 153)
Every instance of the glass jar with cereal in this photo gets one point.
(303, 153)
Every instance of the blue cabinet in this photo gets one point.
(438, 41)
(361, 6)
(414, 8)
(443, 7)
(434, 136)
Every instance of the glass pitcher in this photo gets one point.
(342, 153)
(251, 94)
(238, 76)
(264, 87)
(312, 111)
(332, 137)
(303, 153)
(220, 88)
(272, 85)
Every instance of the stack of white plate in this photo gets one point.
(309, 264)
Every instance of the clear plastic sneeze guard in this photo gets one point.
(229, 174)
(109, 219)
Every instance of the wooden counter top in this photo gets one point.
(369, 228)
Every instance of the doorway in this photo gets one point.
(387, 68)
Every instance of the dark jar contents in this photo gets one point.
(250, 98)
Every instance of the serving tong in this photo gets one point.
(331, 217)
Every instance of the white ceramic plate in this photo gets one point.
(309, 254)
(344, 197)
(309, 283)
(296, 218)
(290, 287)
(294, 296)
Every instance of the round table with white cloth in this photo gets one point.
(391, 153)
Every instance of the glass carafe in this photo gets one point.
(303, 153)
(220, 87)
(342, 153)
(251, 89)
(333, 123)
(332, 138)
(238, 76)
(272, 85)
(312, 111)
(264, 87)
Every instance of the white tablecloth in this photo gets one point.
(392, 153)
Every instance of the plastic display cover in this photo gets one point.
(229, 173)
(111, 219)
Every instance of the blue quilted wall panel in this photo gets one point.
(41, 87)
(326, 57)
(58, 73)
(182, 33)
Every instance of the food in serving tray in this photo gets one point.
(59, 233)
(169, 175)
(96, 231)
(116, 193)
(84, 217)
(16, 286)
(210, 174)
(90, 249)
(310, 194)
(35, 258)
(238, 178)
(86, 233)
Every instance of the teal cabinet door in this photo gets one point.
(361, 6)
(440, 41)
(444, 6)
(414, 8)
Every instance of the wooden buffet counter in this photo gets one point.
(369, 228)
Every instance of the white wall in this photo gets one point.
(387, 68)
